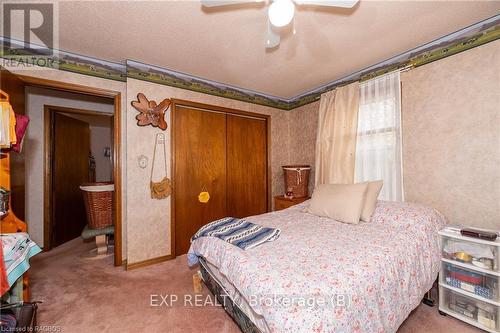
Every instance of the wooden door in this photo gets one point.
(200, 164)
(246, 166)
(14, 86)
(71, 148)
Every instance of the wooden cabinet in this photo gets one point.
(223, 152)
(280, 202)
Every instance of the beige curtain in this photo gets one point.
(336, 140)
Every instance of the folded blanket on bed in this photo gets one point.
(237, 232)
(240, 233)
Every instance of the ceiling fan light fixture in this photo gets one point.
(281, 12)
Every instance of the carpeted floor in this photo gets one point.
(85, 295)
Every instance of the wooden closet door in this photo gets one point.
(200, 163)
(246, 166)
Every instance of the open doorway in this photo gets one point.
(78, 152)
(28, 199)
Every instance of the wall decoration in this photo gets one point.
(13, 50)
(204, 196)
(142, 161)
(464, 39)
(168, 77)
(163, 188)
(150, 113)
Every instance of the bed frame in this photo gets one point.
(428, 298)
(239, 317)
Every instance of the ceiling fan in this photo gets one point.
(280, 12)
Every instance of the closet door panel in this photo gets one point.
(246, 166)
(200, 164)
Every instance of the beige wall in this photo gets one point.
(303, 127)
(451, 136)
(149, 231)
(36, 99)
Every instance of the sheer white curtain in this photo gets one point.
(378, 147)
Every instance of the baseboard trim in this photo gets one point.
(148, 262)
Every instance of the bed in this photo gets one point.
(326, 276)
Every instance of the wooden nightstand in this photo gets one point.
(280, 202)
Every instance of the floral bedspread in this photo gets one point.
(326, 276)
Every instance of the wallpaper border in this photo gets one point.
(168, 77)
(15, 51)
(464, 39)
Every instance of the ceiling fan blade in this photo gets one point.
(218, 3)
(272, 37)
(329, 3)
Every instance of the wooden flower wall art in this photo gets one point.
(150, 113)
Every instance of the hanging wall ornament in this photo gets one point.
(150, 113)
(204, 196)
(163, 188)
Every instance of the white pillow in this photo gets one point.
(341, 202)
(372, 193)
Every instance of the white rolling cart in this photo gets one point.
(469, 279)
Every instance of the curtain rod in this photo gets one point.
(367, 77)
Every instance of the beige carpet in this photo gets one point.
(82, 295)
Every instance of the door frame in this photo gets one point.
(117, 147)
(218, 109)
(49, 112)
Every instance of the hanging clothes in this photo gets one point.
(5, 122)
(22, 122)
(8, 125)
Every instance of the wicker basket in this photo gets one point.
(297, 179)
(98, 198)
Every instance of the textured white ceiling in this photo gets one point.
(228, 45)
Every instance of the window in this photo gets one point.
(378, 145)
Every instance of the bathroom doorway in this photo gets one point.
(79, 147)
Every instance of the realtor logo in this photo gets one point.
(29, 28)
